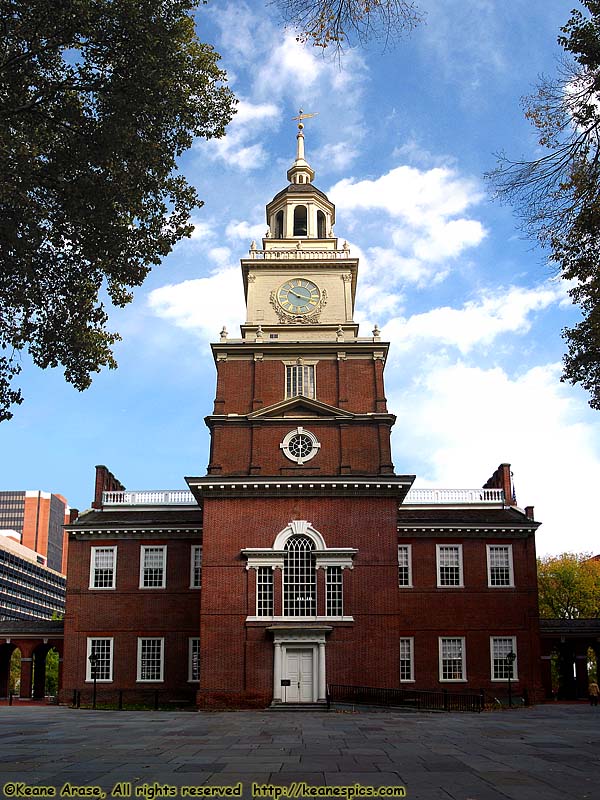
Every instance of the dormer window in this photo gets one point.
(300, 221)
(321, 228)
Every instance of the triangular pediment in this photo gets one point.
(300, 407)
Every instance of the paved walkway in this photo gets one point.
(550, 752)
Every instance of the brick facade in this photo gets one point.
(300, 516)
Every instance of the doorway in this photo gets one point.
(300, 673)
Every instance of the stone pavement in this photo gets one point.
(550, 752)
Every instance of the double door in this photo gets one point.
(300, 673)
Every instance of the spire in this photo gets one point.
(300, 171)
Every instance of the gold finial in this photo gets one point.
(301, 116)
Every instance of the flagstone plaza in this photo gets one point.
(549, 752)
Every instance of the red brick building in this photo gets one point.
(301, 558)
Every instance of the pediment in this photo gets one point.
(300, 407)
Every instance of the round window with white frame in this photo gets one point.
(300, 445)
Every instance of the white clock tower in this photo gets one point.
(301, 285)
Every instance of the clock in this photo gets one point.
(298, 296)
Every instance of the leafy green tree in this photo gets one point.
(51, 687)
(325, 23)
(569, 586)
(557, 195)
(14, 680)
(98, 99)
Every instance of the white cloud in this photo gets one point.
(339, 156)
(243, 230)
(202, 230)
(479, 322)
(413, 195)
(237, 148)
(459, 422)
(422, 213)
(202, 305)
(291, 69)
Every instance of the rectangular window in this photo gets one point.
(300, 380)
(449, 565)
(103, 567)
(500, 565)
(264, 592)
(406, 660)
(194, 660)
(452, 659)
(150, 659)
(503, 668)
(152, 567)
(334, 592)
(102, 648)
(196, 567)
(404, 565)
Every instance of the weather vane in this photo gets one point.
(301, 116)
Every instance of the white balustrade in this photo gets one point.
(295, 255)
(449, 496)
(161, 497)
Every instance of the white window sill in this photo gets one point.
(299, 619)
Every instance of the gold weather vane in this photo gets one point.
(301, 116)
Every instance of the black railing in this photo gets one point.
(132, 699)
(434, 700)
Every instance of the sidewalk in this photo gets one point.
(549, 752)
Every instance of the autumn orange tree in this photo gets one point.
(569, 586)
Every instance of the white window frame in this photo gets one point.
(300, 431)
(511, 583)
(408, 548)
(310, 365)
(143, 549)
(411, 640)
(93, 553)
(192, 640)
(270, 572)
(442, 639)
(141, 639)
(513, 647)
(193, 550)
(88, 667)
(334, 591)
(461, 577)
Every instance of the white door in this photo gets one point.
(300, 674)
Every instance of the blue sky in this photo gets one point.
(401, 142)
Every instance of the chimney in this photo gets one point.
(529, 512)
(105, 482)
(502, 479)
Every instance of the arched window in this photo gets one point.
(279, 225)
(300, 228)
(321, 232)
(299, 578)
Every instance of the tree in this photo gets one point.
(337, 22)
(98, 99)
(558, 195)
(569, 586)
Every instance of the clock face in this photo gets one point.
(298, 296)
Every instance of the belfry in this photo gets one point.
(301, 559)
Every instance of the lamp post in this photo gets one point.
(93, 659)
(510, 660)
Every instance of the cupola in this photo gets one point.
(300, 211)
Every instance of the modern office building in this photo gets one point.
(39, 518)
(29, 589)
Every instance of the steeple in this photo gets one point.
(301, 171)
